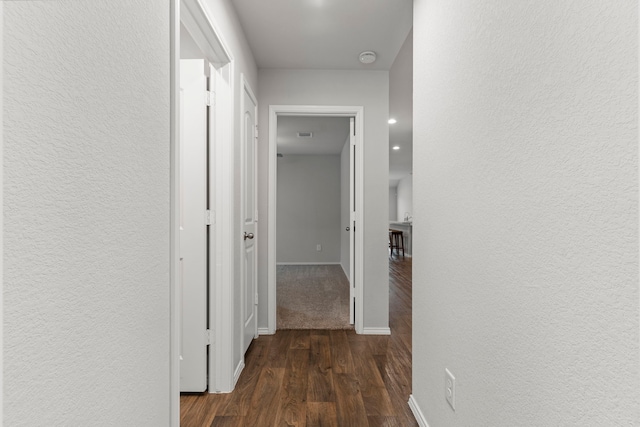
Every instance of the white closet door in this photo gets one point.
(193, 233)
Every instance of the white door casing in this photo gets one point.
(197, 20)
(356, 168)
(249, 218)
(222, 371)
(352, 219)
(193, 240)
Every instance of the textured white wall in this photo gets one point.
(344, 206)
(351, 88)
(308, 209)
(405, 197)
(86, 213)
(393, 203)
(526, 208)
(225, 20)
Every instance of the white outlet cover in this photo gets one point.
(450, 388)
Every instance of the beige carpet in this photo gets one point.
(312, 297)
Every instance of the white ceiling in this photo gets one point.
(324, 34)
(329, 134)
(330, 34)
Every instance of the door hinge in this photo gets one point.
(256, 131)
(209, 337)
(208, 98)
(210, 217)
(256, 299)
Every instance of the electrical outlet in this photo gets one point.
(318, 247)
(450, 388)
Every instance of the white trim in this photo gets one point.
(308, 263)
(315, 110)
(346, 273)
(264, 331)
(171, 379)
(171, 367)
(376, 331)
(236, 374)
(359, 224)
(221, 249)
(417, 413)
(271, 225)
(174, 246)
(201, 26)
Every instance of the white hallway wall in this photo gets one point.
(86, 213)
(401, 109)
(526, 209)
(404, 202)
(328, 87)
(308, 209)
(226, 21)
(393, 203)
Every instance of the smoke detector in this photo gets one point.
(367, 57)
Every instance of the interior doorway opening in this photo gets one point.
(338, 234)
(201, 200)
(313, 213)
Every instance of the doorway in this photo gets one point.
(352, 230)
(313, 245)
(201, 192)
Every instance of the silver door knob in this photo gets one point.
(348, 229)
(248, 235)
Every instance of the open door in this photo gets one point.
(193, 229)
(352, 220)
(249, 217)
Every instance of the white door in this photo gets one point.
(249, 237)
(352, 219)
(193, 232)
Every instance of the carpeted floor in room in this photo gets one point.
(312, 297)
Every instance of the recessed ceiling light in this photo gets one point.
(367, 57)
(392, 121)
(396, 147)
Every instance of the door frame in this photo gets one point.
(315, 110)
(174, 215)
(203, 28)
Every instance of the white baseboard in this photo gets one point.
(307, 263)
(417, 413)
(236, 374)
(265, 331)
(346, 273)
(376, 331)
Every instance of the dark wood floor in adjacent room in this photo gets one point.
(309, 378)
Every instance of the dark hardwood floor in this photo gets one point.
(309, 378)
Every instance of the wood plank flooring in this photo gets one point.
(309, 378)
